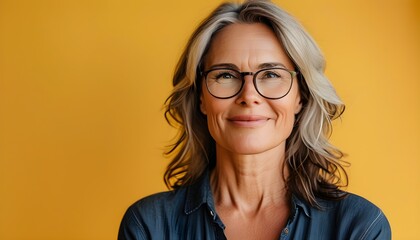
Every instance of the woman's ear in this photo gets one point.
(298, 106)
(202, 105)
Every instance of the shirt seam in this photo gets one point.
(371, 225)
(137, 222)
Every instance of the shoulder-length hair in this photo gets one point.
(314, 165)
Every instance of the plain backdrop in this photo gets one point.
(83, 82)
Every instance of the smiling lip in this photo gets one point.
(248, 120)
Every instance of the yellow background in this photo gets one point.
(82, 84)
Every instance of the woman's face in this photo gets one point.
(249, 123)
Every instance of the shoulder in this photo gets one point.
(150, 214)
(160, 201)
(358, 217)
(158, 204)
(358, 208)
(357, 204)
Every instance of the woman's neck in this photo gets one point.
(249, 182)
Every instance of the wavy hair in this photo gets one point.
(315, 166)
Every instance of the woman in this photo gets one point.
(252, 160)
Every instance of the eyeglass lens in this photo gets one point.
(270, 83)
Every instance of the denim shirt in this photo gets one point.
(189, 213)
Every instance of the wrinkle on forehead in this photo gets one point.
(246, 46)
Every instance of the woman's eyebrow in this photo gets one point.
(224, 65)
(233, 66)
(271, 64)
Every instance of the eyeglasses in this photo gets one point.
(271, 83)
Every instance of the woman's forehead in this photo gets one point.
(246, 44)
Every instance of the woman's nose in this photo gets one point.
(248, 94)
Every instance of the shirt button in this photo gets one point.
(286, 231)
(211, 213)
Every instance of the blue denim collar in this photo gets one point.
(297, 203)
(200, 193)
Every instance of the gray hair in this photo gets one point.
(315, 166)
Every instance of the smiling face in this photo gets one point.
(249, 123)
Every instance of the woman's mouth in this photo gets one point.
(248, 120)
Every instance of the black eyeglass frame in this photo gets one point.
(293, 74)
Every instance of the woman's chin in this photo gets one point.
(253, 149)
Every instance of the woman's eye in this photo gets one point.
(271, 75)
(225, 76)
